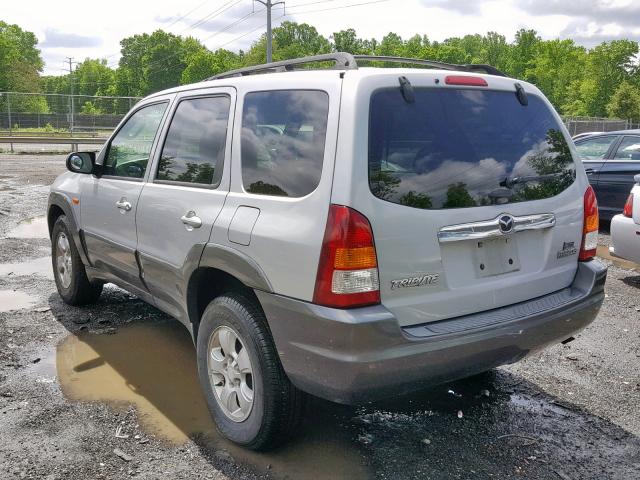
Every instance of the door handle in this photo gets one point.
(590, 171)
(191, 220)
(123, 204)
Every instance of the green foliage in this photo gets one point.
(458, 196)
(20, 61)
(597, 82)
(625, 102)
(90, 108)
(204, 64)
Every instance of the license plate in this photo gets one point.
(496, 257)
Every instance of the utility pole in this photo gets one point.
(72, 105)
(269, 4)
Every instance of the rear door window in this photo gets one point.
(195, 144)
(455, 148)
(595, 148)
(629, 149)
(282, 145)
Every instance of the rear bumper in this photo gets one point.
(625, 238)
(353, 356)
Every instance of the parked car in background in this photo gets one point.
(625, 227)
(611, 160)
(584, 135)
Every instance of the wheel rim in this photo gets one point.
(231, 373)
(63, 260)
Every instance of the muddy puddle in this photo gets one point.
(152, 366)
(30, 228)
(39, 266)
(603, 252)
(15, 300)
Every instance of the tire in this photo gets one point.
(277, 405)
(70, 276)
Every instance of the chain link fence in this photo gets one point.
(46, 113)
(577, 125)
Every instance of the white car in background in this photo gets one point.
(625, 227)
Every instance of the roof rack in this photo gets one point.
(347, 61)
(341, 60)
(469, 67)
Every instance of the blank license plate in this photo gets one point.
(495, 257)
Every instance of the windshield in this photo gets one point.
(455, 148)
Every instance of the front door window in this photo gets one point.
(129, 151)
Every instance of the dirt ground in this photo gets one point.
(110, 391)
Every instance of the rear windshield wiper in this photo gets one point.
(511, 181)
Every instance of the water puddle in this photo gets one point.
(30, 228)
(39, 266)
(603, 252)
(153, 366)
(15, 300)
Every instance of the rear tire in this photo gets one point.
(68, 270)
(266, 408)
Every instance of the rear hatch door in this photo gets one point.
(475, 203)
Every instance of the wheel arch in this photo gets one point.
(58, 206)
(222, 269)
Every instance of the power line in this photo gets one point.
(208, 17)
(311, 3)
(212, 15)
(240, 20)
(335, 8)
(186, 14)
(229, 26)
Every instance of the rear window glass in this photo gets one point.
(455, 148)
(283, 136)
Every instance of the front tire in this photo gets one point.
(250, 398)
(68, 270)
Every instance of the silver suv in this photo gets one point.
(348, 232)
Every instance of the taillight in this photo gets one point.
(465, 80)
(348, 268)
(628, 207)
(590, 226)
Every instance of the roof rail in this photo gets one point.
(341, 60)
(469, 67)
(346, 61)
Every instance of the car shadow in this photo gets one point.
(494, 425)
(632, 281)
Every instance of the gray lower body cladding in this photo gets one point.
(360, 355)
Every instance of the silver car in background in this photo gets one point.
(350, 233)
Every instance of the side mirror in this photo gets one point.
(81, 162)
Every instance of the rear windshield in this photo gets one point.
(455, 148)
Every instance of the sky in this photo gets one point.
(83, 29)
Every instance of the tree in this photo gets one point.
(20, 66)
(204, 64)
(522, 53)
(92, 77)
(348, 41)
(625, 102)
(154, 62)
(555, 68)
(391, 45)
(458, 196)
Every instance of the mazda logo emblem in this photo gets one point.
(506, 223)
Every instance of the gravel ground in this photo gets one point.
(570, 412)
